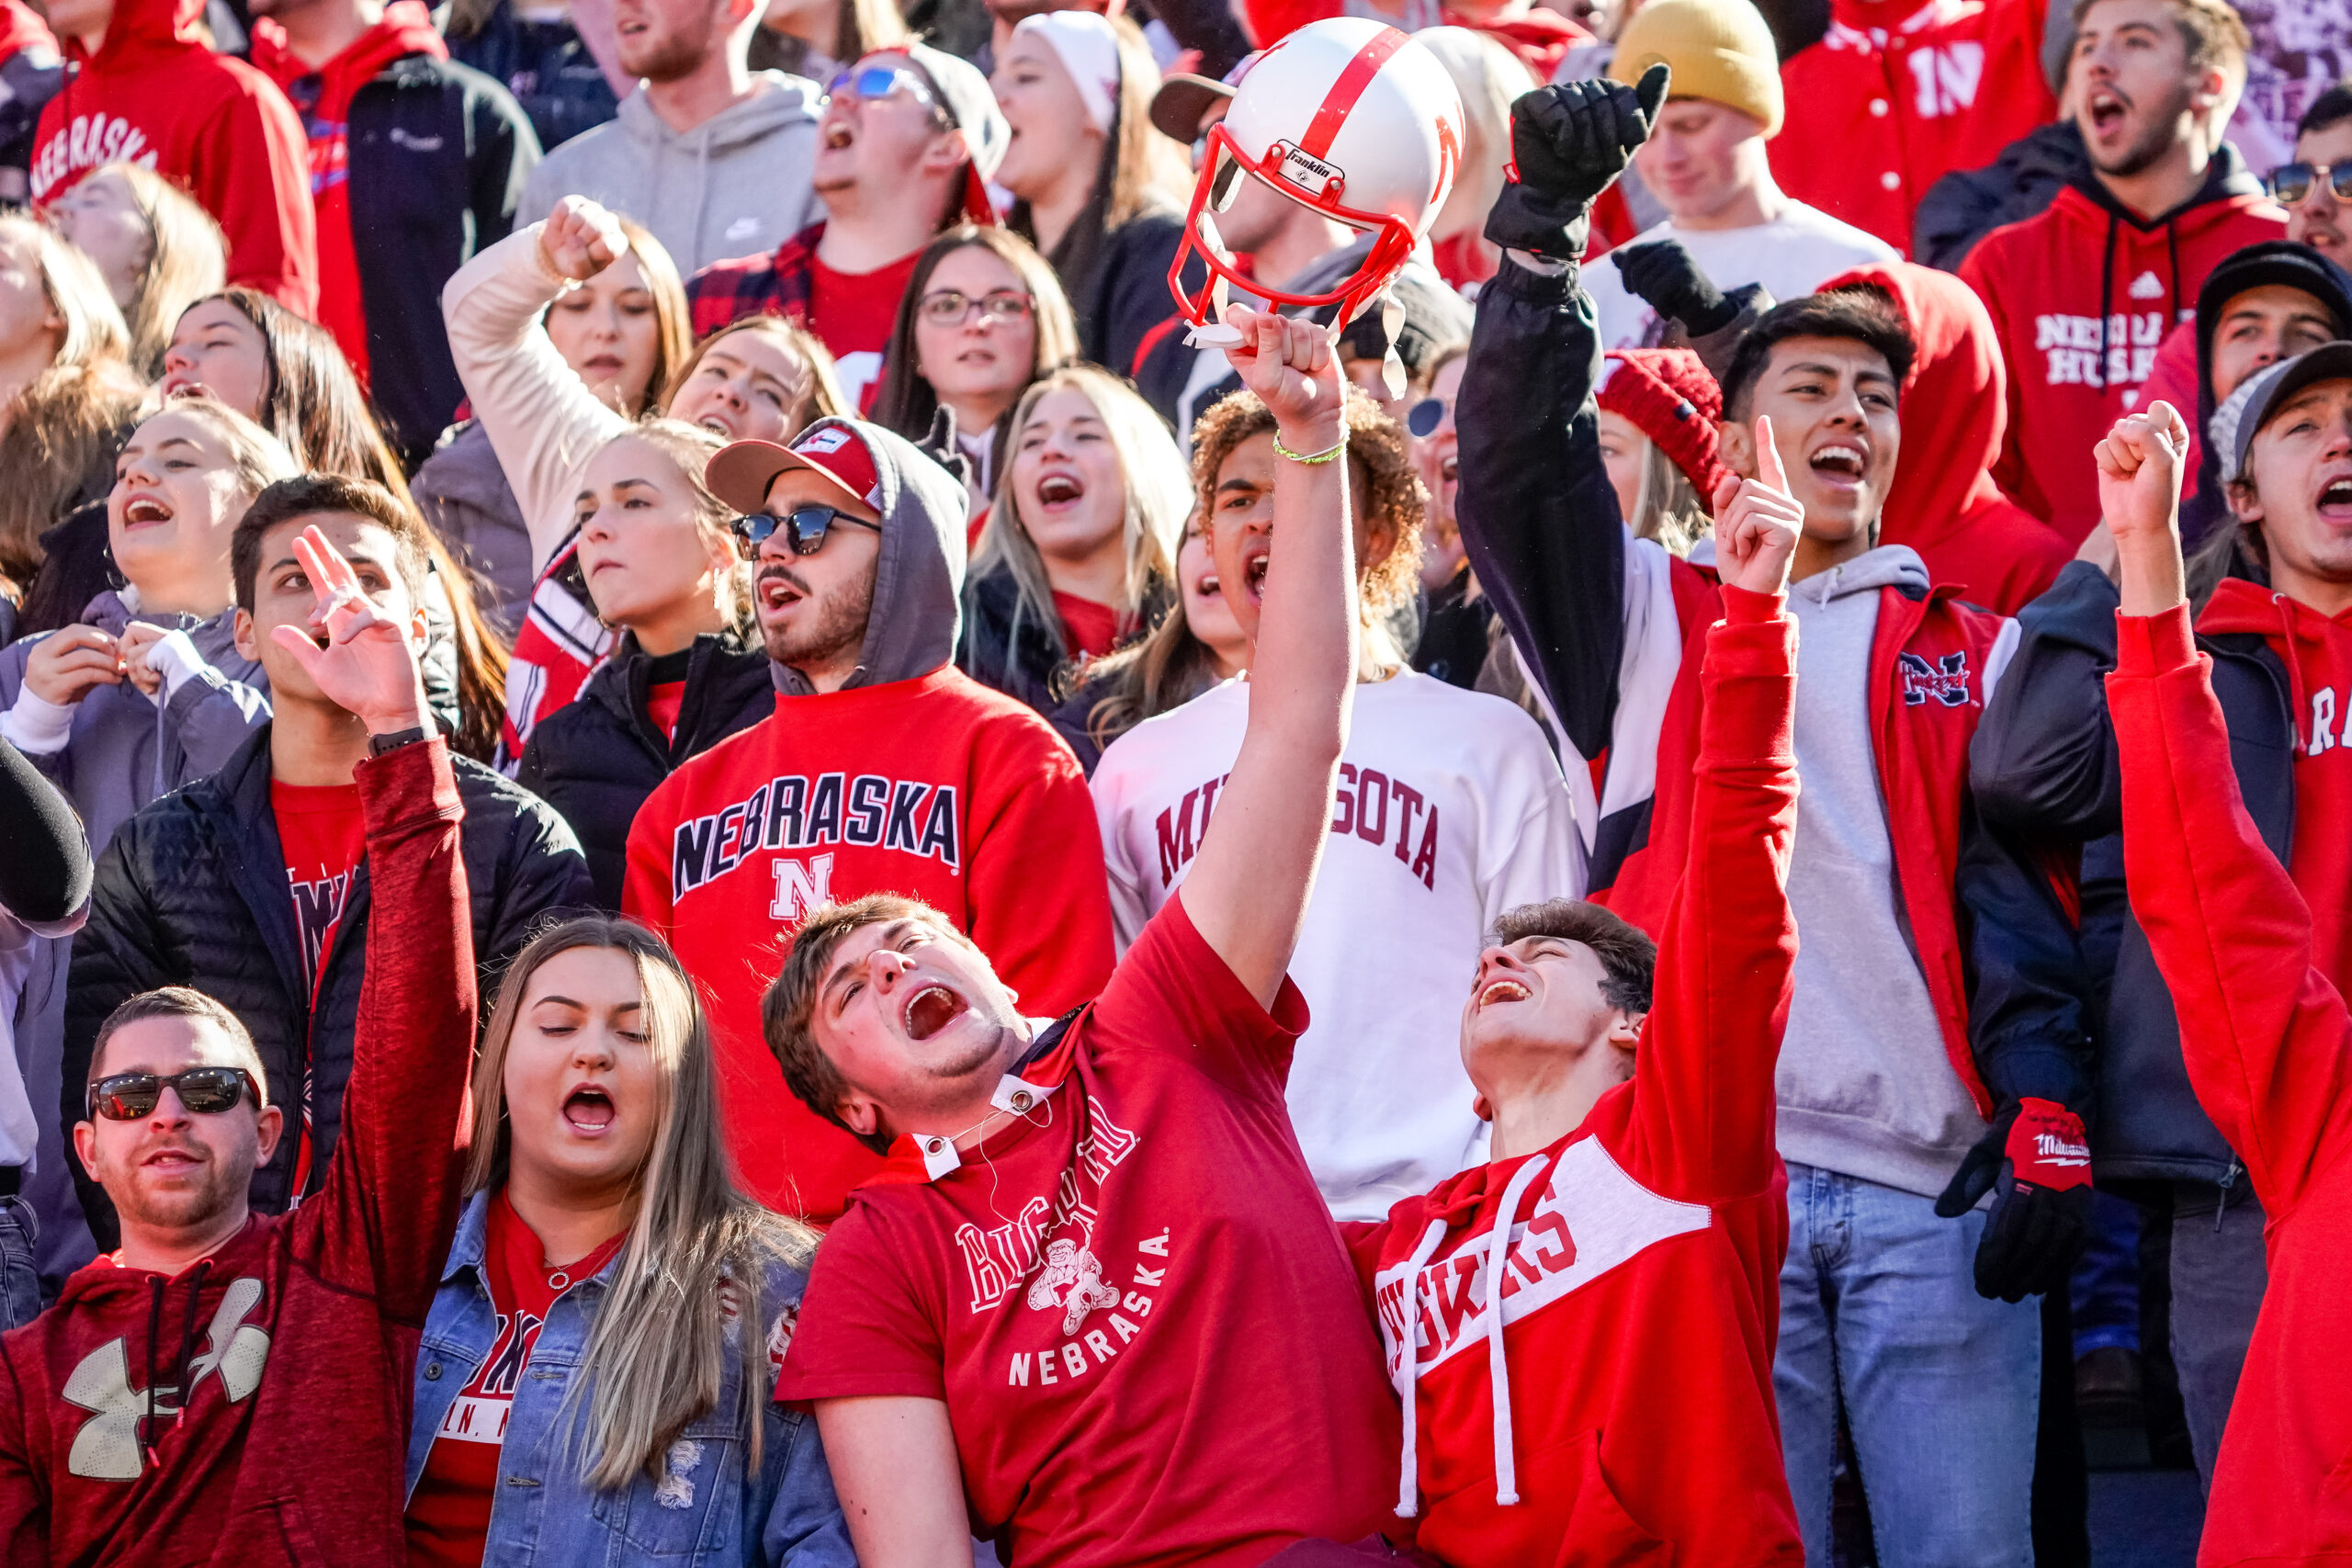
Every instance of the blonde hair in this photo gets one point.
(1487, 77)
(91, 329)
(689, 1285)
(691, 447)
(819, 394)
(187, 260)
(1157, 497)
(1666, 506)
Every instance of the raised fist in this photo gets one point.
(1567, 143)
(1663, 276)
(581, 238)
(1288, 361)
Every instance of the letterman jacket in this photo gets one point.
(1609, 627)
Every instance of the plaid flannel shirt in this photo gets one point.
(779, 284)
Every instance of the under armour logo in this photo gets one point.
(1071, 1279)
(1946, 680)
(107, 1447)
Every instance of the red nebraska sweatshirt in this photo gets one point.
(253, 1409)
(2268, 1046)
(1628, 1401)
(154, 94)
(2082, 294)
(936, 788)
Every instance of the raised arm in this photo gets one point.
(1703, 1073)
(543, 421)
(2264, 1032)
(1248, 890)
(1538, 515)
(383, 1216)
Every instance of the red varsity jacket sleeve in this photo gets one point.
(1703, 1116)
(382, 1220)
(251, 170)
(1036, 898)
(2262, 1030)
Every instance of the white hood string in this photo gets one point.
(1498, 1365)
(1498, 1244)
(1409, 1489)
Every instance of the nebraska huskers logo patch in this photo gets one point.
(1946, 680)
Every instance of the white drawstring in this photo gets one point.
(1408, 1490)
(1498, 1365)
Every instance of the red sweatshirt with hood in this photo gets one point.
(1619, 1407)
(1898, 94)
(1944, 502)
(2268, 1046)
(405, 28)
(154, 94)
(252, 1410)
(2082, 294)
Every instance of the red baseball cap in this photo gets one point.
(741, 471)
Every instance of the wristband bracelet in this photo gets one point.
(381, 745)
(1310, 460)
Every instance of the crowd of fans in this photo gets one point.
(775, 789)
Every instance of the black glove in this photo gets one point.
(2035, 1157)
(1567, 142)
(1662, 275)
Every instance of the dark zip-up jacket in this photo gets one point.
(2088, 1021)
(193, 892)
(548, 67)
(596, 758)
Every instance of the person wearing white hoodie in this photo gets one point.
(714, 158)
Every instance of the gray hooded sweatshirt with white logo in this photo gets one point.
(737, 185)
(1865, 1088)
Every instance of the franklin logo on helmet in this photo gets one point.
(1346, 116)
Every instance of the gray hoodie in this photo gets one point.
(911, 628)
(737, 185)
(1865, 1088)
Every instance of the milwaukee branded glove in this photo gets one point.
(1663, 276)
(1567, 142)
(2037, 1163)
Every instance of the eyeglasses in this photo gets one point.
(865, 83)
(205, 1091)
(2290, 184)
(806, 527)
(953, 308)
(1427, 415)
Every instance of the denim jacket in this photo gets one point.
(707, 1511)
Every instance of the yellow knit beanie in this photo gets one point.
(1719, 49)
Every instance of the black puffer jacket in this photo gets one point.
(192, 891)
(1004, 647)
(597, 758)
(2088, 1021)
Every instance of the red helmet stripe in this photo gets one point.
(1347, 90)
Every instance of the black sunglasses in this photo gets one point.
(205, 1091)
(2290, 184)
(806, 527)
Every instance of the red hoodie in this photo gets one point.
(406, 28)
(253, 1410)
(1943, 503)
(2268, 1047)
(1899, 93)
(936, 788)
(1640, 1266)
(2082, 295)
(155, 95)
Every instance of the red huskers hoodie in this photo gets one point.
(253, 1410)
(155, 95)
(1618, 1406)
(2082, 295)
(1943, 503)
(2268, 1046)
(1898, 94)
(405, 28)
(914, 779)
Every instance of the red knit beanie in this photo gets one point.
(1668, 395)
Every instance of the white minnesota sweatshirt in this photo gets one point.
(1450, 811)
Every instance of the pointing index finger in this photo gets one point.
(1770, 471)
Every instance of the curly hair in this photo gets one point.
(1379, 470)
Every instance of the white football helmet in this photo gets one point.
(1349, 116)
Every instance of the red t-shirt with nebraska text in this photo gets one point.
(448, 1513)
(853, 312)
(1151, 1344)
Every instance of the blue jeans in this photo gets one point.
(2106, 1287)
(1941, 1388)
(19, 1279)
